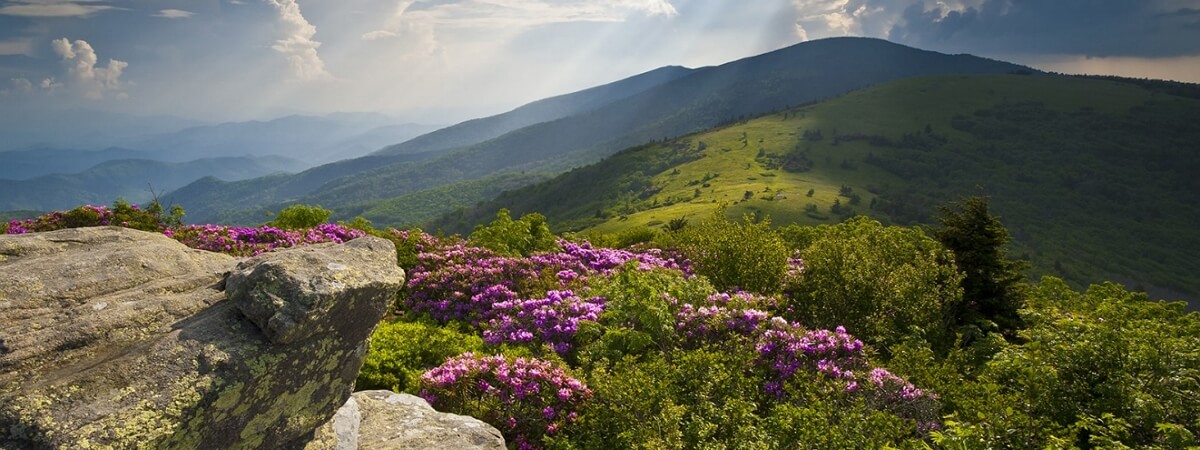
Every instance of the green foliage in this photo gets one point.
(993, 285)
(297, 217)
(401, 351)
(1107, 365)
(521, 237)
(152, 218)
(731, 254)
(123, 214)
(879, 282)
(1102, 369)
(640, 313)
(824, 420)
(699, 399)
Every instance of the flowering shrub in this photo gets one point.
(786, 351)
(715, 324)
(461, 282)
(244, 241)
(526, 398)
(122, 214)
(552, 320)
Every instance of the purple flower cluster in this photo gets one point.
(717, 324)
(552, 320)
(795, 267)
(460, 282)
(604, 260)
(787, 349)
(243, 241)
(526, 398)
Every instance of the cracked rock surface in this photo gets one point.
(117, 338)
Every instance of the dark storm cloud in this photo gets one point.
(1138, 28)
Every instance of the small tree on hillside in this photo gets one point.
(994, 286)
(521, 237)
(297, 217)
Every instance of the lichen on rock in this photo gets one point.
(168, 361)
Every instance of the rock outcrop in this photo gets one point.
(385, 420)
(114, 338)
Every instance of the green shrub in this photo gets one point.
(401, 351)
(640, 314)
(153, 218)
(879, 282)
(746, 254)
(521, 237)
(698, 399)
(298, 217)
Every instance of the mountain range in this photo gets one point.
(586, 126)
(44, 178)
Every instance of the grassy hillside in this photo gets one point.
(1095, 178)
(699, 100)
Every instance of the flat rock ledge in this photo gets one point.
(385, 420)
(116, 338)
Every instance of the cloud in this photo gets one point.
(650, 7)
(19, 85)
(22, 84)
(1146, 28)
(510, 15)
(174, 14)
(94, 82)
(51, 8)
(17, 47)
(298, 44)
(50, 85)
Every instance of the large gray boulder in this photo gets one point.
(385, 420)
(114, 338)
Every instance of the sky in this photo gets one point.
(438, 61)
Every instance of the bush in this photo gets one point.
(881, 282)
(746, 254)
(521, 237)
(527, 399)
(401, 351)
(297, 217)
(698, 399)
(123, 214)
(640, 313)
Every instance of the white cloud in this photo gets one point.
(17, 47)
(19, 85)
(94, 82)
(51, 8)
(50, 85)
(650, 7)
(510, 15)
(22, 85)
(298, 44)
(174, 14)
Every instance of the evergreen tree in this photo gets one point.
(993, 286)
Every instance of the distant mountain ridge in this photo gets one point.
(479, 130)
(131, 179)
(207, 195)
(697, 100)
(312, 139)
